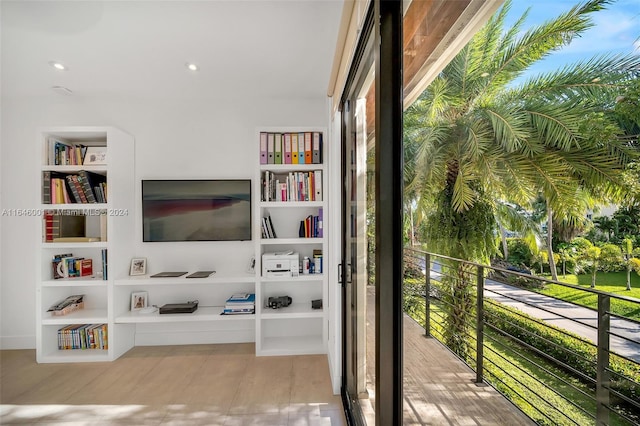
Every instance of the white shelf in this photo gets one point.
(75, 206)
(299, 278)
(78, 355)
(183, 280)
(295, 310)
(275, 241)
(282, 204)
(102, 169)
(208, 313)
(96, 244)
(293, 345)
(291, 167)
(75, 282)
(82, 316)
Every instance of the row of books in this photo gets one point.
(293, 186)
(61, 153)
(67, 265)
(311, 226)
(240, 303)
(81, 187)
(268, 231)
(83, 336)
(291, 148)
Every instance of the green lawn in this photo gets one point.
(610, 282)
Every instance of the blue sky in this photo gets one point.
(616, 30)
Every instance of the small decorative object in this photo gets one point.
(316, 304)
(251, 266)
(139, 300)
(138, 266)
(95, 155)
(68, 305)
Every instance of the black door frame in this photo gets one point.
(388, 16)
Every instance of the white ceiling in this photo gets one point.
(138, 49)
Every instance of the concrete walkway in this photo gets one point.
(579, 320)
(583, 321)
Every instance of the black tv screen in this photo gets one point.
(196, 210)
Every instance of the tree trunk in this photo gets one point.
(593, 274)
(552, 262)
(628, 275)
(503, 238)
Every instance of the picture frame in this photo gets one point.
(138, 266)
(95, 155)
(139, 300)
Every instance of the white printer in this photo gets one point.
(282, 264)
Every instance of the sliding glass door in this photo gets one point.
(358, 238)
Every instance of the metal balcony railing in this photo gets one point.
(559, 362)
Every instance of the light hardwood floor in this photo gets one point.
(170, 385)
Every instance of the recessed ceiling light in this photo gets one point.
(191, 66)
(58, 65)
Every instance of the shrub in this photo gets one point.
(519, 252)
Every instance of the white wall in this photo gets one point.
(174, 139)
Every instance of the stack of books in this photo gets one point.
(240, 303)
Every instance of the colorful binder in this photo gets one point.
(308, 153)
(263, 148)
(294, 148)
(301, 148)
(287, 148)
(277, 158)
(317, 148)
(270, 148)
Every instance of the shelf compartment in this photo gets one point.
(291, 336)
(82, 316)
(295, 310)
(208, 313)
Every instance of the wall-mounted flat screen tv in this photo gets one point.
(196, 210)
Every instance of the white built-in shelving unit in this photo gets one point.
(296, 329)
(111, 221)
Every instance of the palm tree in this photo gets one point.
(593, 254)
(479, 134)
(627, 250)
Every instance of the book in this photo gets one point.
(317, 148)
(88, 181)
(236, 297)
(104, 264)
(169, 274)
(46, 187)
(200, 274)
